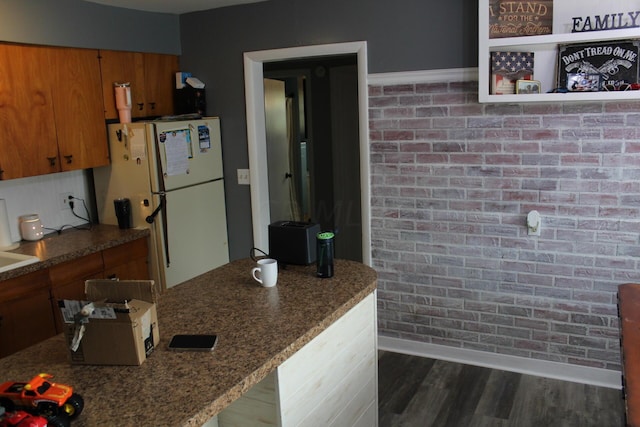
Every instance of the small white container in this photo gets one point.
(31, 227)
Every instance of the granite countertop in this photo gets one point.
(258, 329)
(70, 244)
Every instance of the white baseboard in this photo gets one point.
(523, 365)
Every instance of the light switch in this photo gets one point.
(243, 177)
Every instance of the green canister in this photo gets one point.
(324, 250)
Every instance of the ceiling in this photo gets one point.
(172, 6)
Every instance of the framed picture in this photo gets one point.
(507, 68)
(583, 82)
(613, 62)
(527, 86)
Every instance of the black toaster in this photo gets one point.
(292, 242)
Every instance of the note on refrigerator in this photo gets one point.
(137, 146)
(177, 148)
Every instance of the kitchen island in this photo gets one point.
(300, 353)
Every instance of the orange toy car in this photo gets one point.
(41, 397)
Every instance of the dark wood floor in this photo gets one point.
(422, 392)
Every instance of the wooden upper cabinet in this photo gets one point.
(77, 101)
(150, 75)
(51, 114)
(122, 67)
(28, 144)
(159, 74)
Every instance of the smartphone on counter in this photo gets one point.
(193, 342)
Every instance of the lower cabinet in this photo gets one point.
(331, 381)
(25, 312)
(29, 304)
(67, 280)
(128, 261)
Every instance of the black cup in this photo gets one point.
(123, 212)
(324, 250)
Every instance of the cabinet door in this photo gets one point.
(122, 67)
(67, 280)
(77, 100)
(128, 261)
(26, 317)
(27, 128)
(159, 75)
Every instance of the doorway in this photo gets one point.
(255, 62)
(313, 156)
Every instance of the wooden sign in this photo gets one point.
(520, 18)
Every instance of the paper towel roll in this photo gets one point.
(5, 232)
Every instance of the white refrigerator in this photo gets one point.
(171, 171)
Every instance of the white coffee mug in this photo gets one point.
(266, 272)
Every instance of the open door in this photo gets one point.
(275, 110)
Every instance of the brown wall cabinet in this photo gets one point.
(151, 76)
(50, 111)
(77, 96)
(54, 102)
(29, 304)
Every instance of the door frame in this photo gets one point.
(256, 133)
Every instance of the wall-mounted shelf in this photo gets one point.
(545, 49)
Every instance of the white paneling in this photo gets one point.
(331, 381)
(320, 380)
(213, 422)
(327, 388)
(369, 418)
(359, 400)
(256, 408)
(317, 355)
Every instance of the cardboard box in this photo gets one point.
(123, 330)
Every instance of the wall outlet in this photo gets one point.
(64, 200)
(243, 177)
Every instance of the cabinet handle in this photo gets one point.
(153, 105)
(140, 105)
(52, 161)
(69, 158)
(1, 172)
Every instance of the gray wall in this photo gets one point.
(76, 23)
(406, 35)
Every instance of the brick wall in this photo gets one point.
(452, 183)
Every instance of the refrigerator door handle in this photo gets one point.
(151, 218)
(156, 211)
